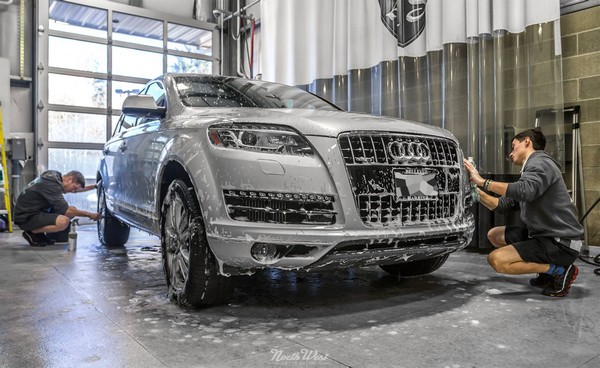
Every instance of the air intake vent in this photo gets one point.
(280, 208)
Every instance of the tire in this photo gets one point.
(191, 269)
(111, 231)
(416, 268)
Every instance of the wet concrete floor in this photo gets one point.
(100, 307)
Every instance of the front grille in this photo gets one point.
(375, 161)
(281, 208)
(372, 148)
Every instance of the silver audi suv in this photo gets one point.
(237, 175)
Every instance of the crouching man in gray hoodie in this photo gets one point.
(550, 241)
(41, 207)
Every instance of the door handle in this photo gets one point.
(122, 147)
(106, 151)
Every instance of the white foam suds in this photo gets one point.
(493, 291)
(145, 292)
(228, 319)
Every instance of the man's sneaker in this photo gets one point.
(35, 240)
(542, 280)
(48, 239)
(562, 284)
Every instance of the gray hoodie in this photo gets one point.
(44, 193)
(542, 197)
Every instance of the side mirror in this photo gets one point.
(142, 105)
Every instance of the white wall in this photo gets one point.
(182, 8)
(9, 36)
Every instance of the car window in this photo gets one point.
(212, 94)
(125, 122)
(157, 91)
(237, 92)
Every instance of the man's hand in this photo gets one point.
(94, 216)
(473, 173)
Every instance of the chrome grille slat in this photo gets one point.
(366, 156)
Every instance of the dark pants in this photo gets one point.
(42, 219)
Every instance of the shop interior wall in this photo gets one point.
(16, 101)
(580, 33)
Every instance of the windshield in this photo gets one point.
(214, 91)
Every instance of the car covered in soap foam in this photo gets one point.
(238, 175)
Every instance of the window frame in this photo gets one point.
(110, 110)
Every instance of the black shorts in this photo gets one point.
(39, 220)
(541, 249)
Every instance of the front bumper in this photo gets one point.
(349, 239)
(326, 248)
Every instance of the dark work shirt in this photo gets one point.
(45, 193)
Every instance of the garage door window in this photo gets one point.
(77, 19)
(76, 91)
(77, 55)
(181, 64)
(137, 63)
(76, 127)
(139, 30)
(189, 39)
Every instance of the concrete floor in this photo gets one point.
(103, 307)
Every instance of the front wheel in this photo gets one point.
(416, 268)
(190, 266)
(111, 231)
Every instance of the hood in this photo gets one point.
(312, 122)
(52, 175)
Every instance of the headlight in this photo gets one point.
(259, 137)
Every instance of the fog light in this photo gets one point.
(264, 253)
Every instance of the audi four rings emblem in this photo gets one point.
(409, 151)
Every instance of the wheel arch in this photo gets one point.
(172, 170)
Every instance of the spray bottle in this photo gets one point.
(73, 235)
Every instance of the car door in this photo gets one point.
(114, 166)
(140, 149)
